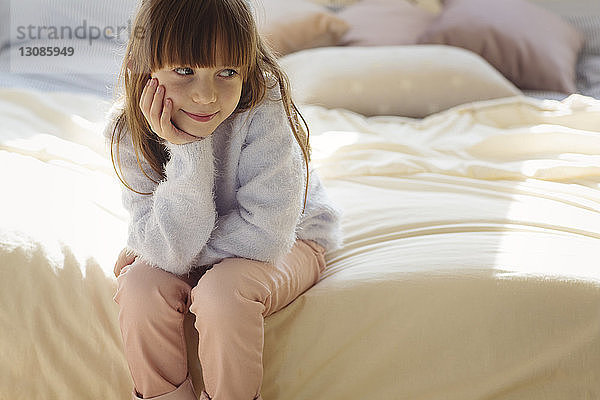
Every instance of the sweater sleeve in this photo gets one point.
(168, 228)
(270, 195)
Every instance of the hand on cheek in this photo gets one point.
(157, 108)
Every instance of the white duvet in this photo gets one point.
(470, 266)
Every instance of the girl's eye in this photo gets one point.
(229, 73)
(183, 71)
(226, 73)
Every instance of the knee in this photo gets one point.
(223, 290)
(141, 287)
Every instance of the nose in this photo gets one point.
(203, 91)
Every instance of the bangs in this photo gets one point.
(201, 33)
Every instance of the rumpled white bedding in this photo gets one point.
(470, 267)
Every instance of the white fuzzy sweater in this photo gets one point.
(237, 193)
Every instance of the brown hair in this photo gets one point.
(194, 33)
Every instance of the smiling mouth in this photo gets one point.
(200, 117)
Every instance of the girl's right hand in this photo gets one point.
(157, 111)
(124, 259)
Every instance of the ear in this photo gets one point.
(129, 63)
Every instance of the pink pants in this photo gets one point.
(229, 301)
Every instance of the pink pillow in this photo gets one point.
(384, 23)
(293, 25)
(532, 47)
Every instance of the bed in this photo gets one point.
(469, 268)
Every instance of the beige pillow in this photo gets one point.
(410, 81)
(292, 25)
(384, 23)
(534, 48)
(434, 6)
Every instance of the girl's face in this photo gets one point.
(202, 97)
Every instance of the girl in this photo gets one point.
(225, 219)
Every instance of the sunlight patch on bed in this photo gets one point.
(61, 204)
(538, 227)
(329, 142)
(46, 147)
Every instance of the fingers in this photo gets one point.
(165, 118)
(156, 109)
(146, 99)
(151, 104)
(124, 259)
(129, 253)
(119, 264)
